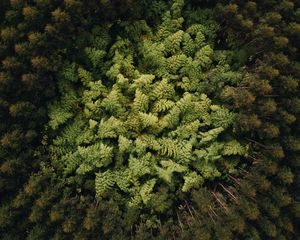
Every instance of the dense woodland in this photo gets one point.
(142, 119)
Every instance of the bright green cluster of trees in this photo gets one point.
(132, 119)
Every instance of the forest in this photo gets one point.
(149, 119)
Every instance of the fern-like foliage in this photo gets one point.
(143, 118)
(104, 182)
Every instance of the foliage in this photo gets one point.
(148, 124)
(181, 117)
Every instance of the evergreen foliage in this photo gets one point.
(148, 119)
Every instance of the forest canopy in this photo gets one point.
(148, 119)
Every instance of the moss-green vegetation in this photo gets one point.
(149, 119)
